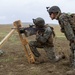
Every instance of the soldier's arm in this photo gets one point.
(67, 28)
(45, 37)
(28, 31)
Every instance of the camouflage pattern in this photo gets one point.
(34, 45)
(44, 40)
(50, 53)
(67, 25)
(43, 37)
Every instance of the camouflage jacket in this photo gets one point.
(45, 37)
(67, 25)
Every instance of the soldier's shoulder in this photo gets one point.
(47, 27)
(63, 15)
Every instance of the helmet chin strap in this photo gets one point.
(58, 15)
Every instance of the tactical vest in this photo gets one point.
(50, 39)
(71, 20)
(51, 29)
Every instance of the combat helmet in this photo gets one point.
(53, 9)
(39, 22)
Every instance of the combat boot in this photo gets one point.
(60, 56)
(1, 52)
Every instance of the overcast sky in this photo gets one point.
(25, 10)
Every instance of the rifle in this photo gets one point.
(31, 30)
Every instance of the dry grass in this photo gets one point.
(14, 61)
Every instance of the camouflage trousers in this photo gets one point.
(49, 50)
(72, 56)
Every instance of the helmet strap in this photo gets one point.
(57, 15)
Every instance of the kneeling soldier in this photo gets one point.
(44, 39)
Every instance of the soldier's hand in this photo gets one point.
(62, 30)
(73, 40)
(39, 33)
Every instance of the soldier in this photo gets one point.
(44, 39)
(67, 25)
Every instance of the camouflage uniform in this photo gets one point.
(44, 40)
(67, 25)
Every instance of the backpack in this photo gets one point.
(73, 17)
(72, 22)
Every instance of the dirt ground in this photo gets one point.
(14, 61)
